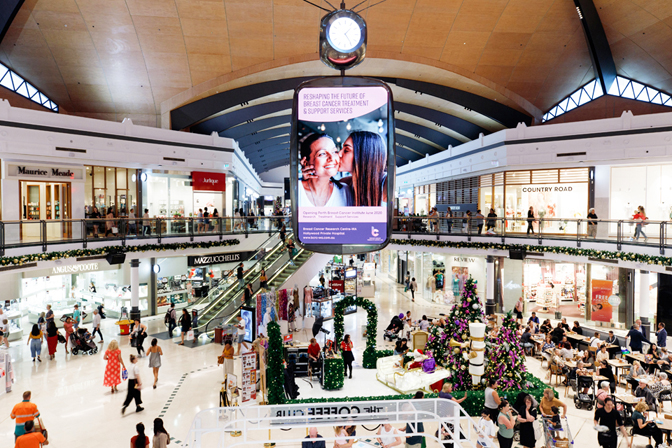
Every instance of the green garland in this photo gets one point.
(333, 373)
(472, 405)
(573, 251)
(275, 378)
(77, 253)
(370, 354)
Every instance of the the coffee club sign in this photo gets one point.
(205, 260)
(44, 172)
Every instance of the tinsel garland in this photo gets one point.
(473, 405)
(275, 378)
(370, 355)
(506, 359)
(333, 373)
(573, 251)
(79, 253)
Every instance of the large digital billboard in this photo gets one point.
(342, 164)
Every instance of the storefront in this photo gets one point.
(209, 191)
(553, 194)
(111, 188)
(45, 193)
(425, 199)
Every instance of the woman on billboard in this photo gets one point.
(319, 152)
(364, 155)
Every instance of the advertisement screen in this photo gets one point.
(248, 317)
(601, 308)
(343, 157)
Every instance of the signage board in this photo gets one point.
(342, 164)
(249, 378)
(249, 319)
(229, 257)
(601, 308)
(201, 181)
(54, 172)
(463, 208)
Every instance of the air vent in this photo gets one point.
(172, 159)
(81, 151)
(570, 154)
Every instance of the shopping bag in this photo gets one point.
(538, 429)
(115, 230)
(220, 360)
(124, 374)
(190, 335)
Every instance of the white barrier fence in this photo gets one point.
(289, 424)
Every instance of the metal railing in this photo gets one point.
(288, 424)
(619, 232)
(44, 233)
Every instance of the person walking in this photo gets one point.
(96, 326)
(519, 310)
(407, 280)
(76, 317)
(154, 353)
(137, 336)
(35, 341)
(240, 333)
(68, 326)
(527, 414)
(185, 323)
(146, 224)
(114, 360)
(161, 437)
(50, 315)
(530, 220)
(413, 286)
(283, 233)
(240, 274)
(23, 412)
(491, 221)
(348, 356)
(609, 417)
(263, 279)
(134, 387)
(227, 356)
(172, 319)
(592, 224)
(479, 221)
(291, 248)
(139, 440)
(42, 322)
(505, 423)
(52, 339)
(661, 335)
(248, 294)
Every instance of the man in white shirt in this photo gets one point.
(241, 333)
(487, 431)
(96, 326)
(146, 224)
(131, 223)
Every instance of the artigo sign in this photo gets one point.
(201, 181)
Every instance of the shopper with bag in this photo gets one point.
(348, 356)
(112, 368)
(134, 386)
(52, 339)
(154, 353)
(413, 286)
(171, 319)
(138, 336)
(185, 324)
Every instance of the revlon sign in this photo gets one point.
(201, 181)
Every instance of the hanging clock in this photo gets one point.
(342, 39)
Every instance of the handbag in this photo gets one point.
(115, 229)
(190, 335)
(538, 429)
(220, 360)
(124, 374)
(134, 342)
(61, 338)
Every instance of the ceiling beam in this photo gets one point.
(416, 145)
(250, 140)
(598, 45)
(462, 127)
(242, 130)
(226, 121)
(269, 152)
(436, 137)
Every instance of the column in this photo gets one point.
(135, 290)
(490, 305)
(644, 300)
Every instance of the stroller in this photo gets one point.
(584, 400)
(81, 341)
(392, 330)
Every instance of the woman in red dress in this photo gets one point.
(348, 357)
(112, 370)
(52, 338)
(68, 327)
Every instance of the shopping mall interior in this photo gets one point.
(369, 224)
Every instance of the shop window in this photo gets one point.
(110, 187)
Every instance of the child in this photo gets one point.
(556, 423)
(487, 430)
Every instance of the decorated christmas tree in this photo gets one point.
(468, 308)
(506, 360)
(275, 377)
(437, 345)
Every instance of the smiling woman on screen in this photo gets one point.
(320, 190)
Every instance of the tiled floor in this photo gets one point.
(79, 412)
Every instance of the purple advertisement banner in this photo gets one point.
(342, 233)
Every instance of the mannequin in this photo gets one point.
(260, 346)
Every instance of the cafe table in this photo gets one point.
(618, 364)
(665, 425)
(642, 360)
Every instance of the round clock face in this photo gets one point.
(344, 34)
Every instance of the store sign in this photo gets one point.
(44, 172)
(547, 189)
(316, 411)
(201, 181)
(601, 308)
(74, 269)
(463, 208)
(464, 260)
(204, 260)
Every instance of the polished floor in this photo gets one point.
(79, 412)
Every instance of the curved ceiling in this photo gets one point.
(112, 59)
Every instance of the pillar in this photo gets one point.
(490, 305)
(644, 300)
(135, 290)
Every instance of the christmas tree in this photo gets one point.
(506, 360)
(437, 345)
(275, 377)
(467, 309)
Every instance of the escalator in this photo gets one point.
(278, 271)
